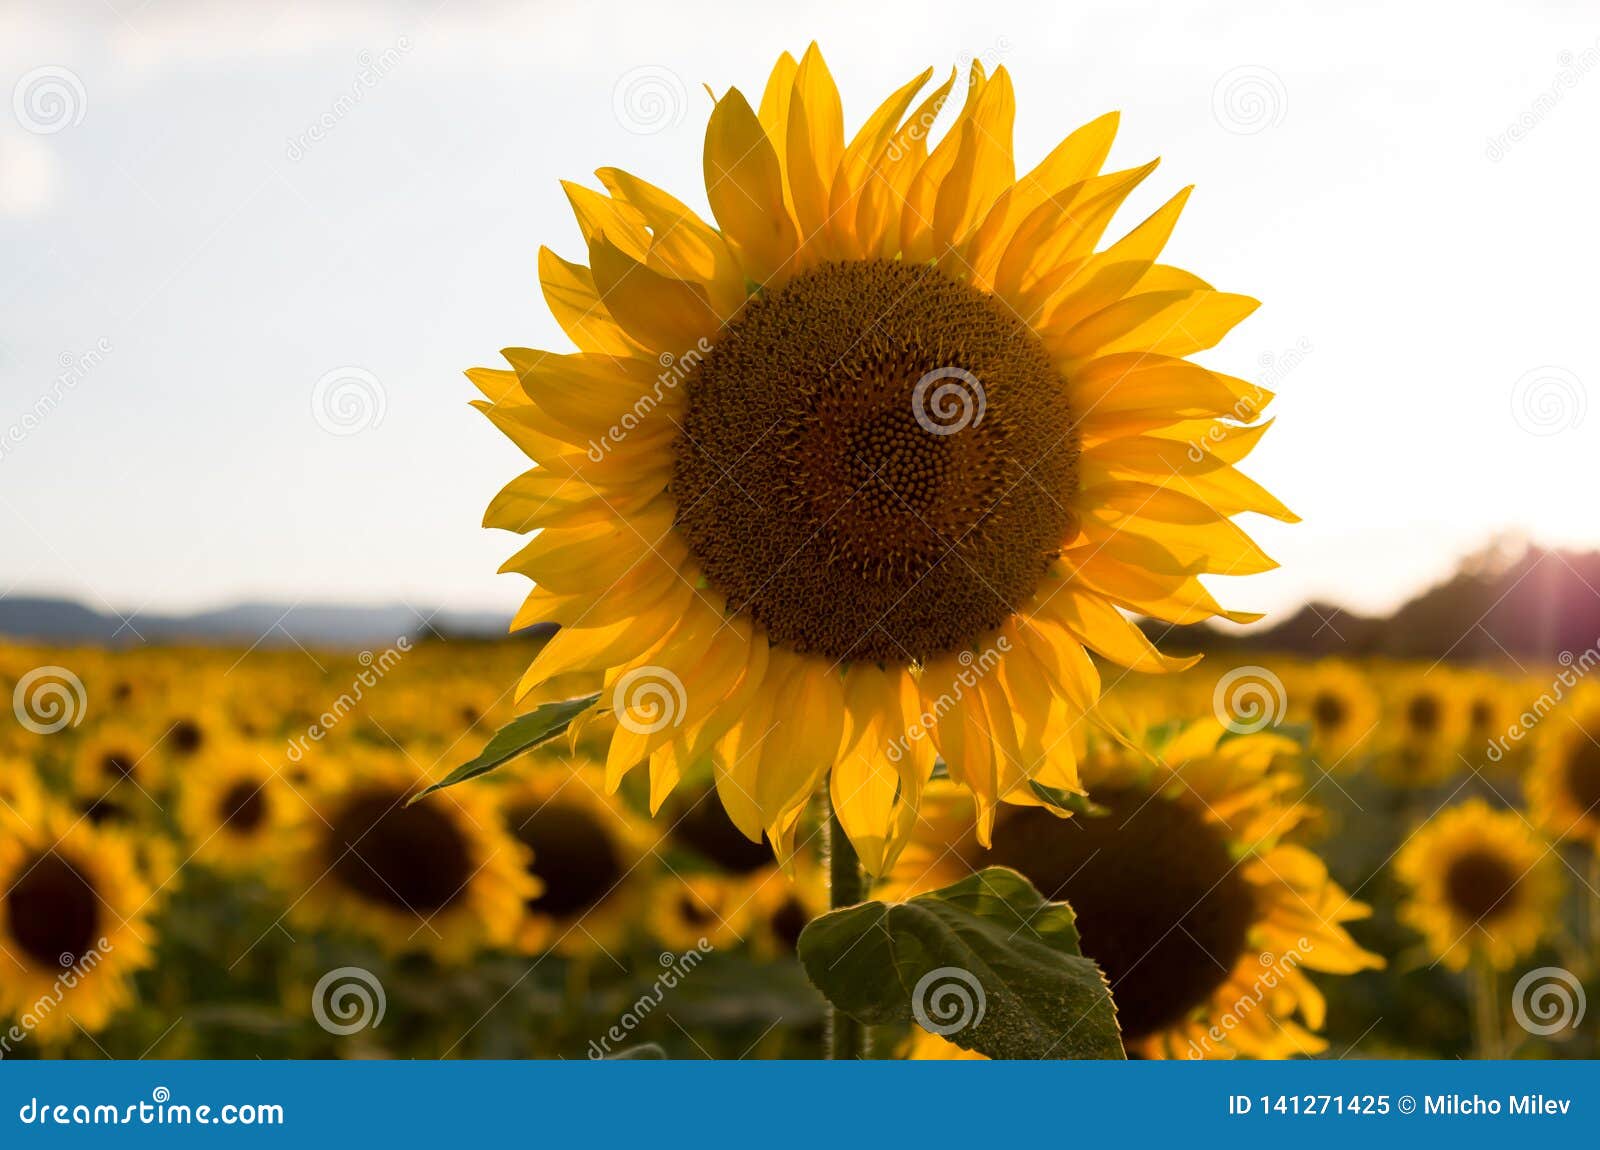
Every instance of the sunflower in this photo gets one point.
(1427, 723)
(1491, 706)
(1481, 882)
(74, 922)
(1202, 917)
(240, 815)
(1341, 706)
(881, 453)
(440, 877)
(1564, 780)
(116, 758)
(588, 853)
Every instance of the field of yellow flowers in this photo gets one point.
(207, 852)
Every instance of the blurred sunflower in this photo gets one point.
(1480, 881)
(1341, 706)
(893, 416)
(1427, 724)
(1491, 706)
(1564, 781)
(1203, 919)
(442, 877)
(587, 851)
(112, 757)
(74, 921)
(734, 878)
(240, 815)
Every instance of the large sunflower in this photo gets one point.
(875, 458)
(1481, 882)
(74, 920)
(1203, 918)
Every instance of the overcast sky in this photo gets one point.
(247, 250)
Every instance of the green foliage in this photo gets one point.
(522, 734)
(986, 962)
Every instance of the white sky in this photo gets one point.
(167, 224)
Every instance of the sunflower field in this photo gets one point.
(872, 695)
(207, 853)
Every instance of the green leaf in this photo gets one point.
(523, 733)
(987, 963)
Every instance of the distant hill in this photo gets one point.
(1528, 603)
(51, 620)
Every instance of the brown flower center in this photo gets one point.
(573, 854)
(875, 463)
(1583, 778)
(53, 912)
(1161, 905)
(407, 858)
(1480, 885)
(243, 808)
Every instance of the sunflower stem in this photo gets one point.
(847, 1038)
(1486, 1017)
